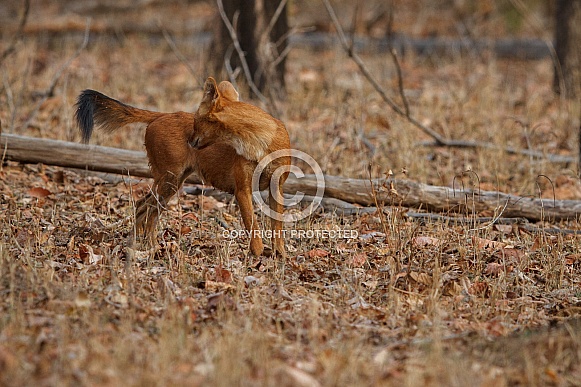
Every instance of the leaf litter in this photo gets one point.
(403, 302)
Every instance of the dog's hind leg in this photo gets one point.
(150, 206)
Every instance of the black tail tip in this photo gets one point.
(85, 108)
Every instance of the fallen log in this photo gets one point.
(400, 193)
(74, 155)
(407, 193)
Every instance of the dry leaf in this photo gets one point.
(423, 241)
(223, 275)
(24, 237)
(220, 300)
(215, 286)
(544, 240)
(504, 228)
(191, 215)
(511, 252)
(452, 288)
(38, 192)
(488, 244)
(250, 280)
(496, 328)
(478, 288)
(371, 284)
(359, 259)
(421, 277)
(494, 268)
(209, 203)
(185, 230)
(88, 256)
(571, 259)
(552, 374)
(317, 253)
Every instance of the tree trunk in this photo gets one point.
(251, 18)
(401, 192)
(242, 15)
(278, 43)
(567, 73)
(246, 34)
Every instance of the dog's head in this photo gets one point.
(216, 96)
(221, 117)
(209, 129)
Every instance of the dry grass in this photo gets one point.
(405, 303)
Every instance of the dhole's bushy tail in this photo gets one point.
(94, 108)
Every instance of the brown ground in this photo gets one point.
(411, 303)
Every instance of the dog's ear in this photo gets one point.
(209, 98)
(227, 91)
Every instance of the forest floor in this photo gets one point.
(404, 302)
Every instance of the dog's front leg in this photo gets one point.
(244, 198)
(275, 202)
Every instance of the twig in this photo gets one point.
(240, 52)
(354, 24)
(510, 150)
(232, 74)
(363, 68)
(439, 139)
(395, 59)
(280, 57)
(493, 221)
(50, 91)
(10, 97)
(272, 55)
(522, 223)
(180, 56)
(463, 220)
(292, 31)
(3, 150)
(10, 49)
(404, 100)
(274, 19)
(58, 74)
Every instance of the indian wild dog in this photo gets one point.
(176, 149)
(253, 133)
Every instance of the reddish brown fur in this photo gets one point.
(172, 159)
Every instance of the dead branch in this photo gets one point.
(332, 205)
(440, 199)
(365, 71)
(10, 49)
(74, 155)
(439, 140)
(520, 223)
(424, 218)
(273, 20)
(232, 74)
(404, 100)
(171, 43)
(49, 92)
(510, 150)
(403, 193)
